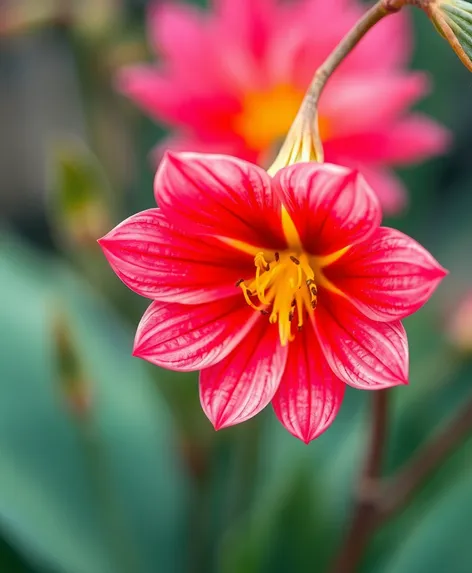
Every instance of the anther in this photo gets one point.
(290, 316)
(294, 260)
(265, 312)
(309, 282)
(314, 290)
(239, 282)
(294, 302)
(277, 257)
(314, 303)
(300, 328)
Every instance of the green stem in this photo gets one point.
(398, 490)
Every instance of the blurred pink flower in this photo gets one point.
(231, 81)
(459, 327)
(279, 289)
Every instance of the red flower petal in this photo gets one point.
(332, 207)
(157, 261)
(248, 23)
(379, 98)
(241, 385)
(190, 337)
(409, 140)
(179, 32)
(363, 353)
(219, 195)
(388, 277)
(170, 99)
(415, 138)
(154, 92)
(388, 187)
(310, 395)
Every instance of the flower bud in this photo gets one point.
(453, 20)
(302, 143)
(80, 196)
(73, 385)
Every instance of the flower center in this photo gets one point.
(283, 289)
(267, 115)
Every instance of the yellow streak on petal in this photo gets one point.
(241, 246)
(326, 260)
(322, 281)
(290, 231)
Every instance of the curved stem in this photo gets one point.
(380, 499)
(303, 141)
(324, 72)
(365, 512)
(398, 490)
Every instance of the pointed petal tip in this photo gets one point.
(103, 241)
(443, 273)
(304, 437)
(393, 383)
(177, 157)
(136, 352)
(219, 420)
(219, 424)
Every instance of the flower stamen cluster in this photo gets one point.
(283, 286)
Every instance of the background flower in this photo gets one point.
(231, 80)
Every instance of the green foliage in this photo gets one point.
(51, 502)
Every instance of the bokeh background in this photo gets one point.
(107, 464)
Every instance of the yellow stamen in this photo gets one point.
(247, 293)
(285, 282)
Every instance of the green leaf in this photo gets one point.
(438, 539)
(11, 562)
(49, 505)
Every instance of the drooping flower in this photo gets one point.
(231, 81)
(279, 290)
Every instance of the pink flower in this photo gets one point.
(279, 289)
(459, 327)
(231, 81)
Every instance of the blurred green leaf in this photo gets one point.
(11, 561)
(48, 505)
(439, 538)
(312, 482)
